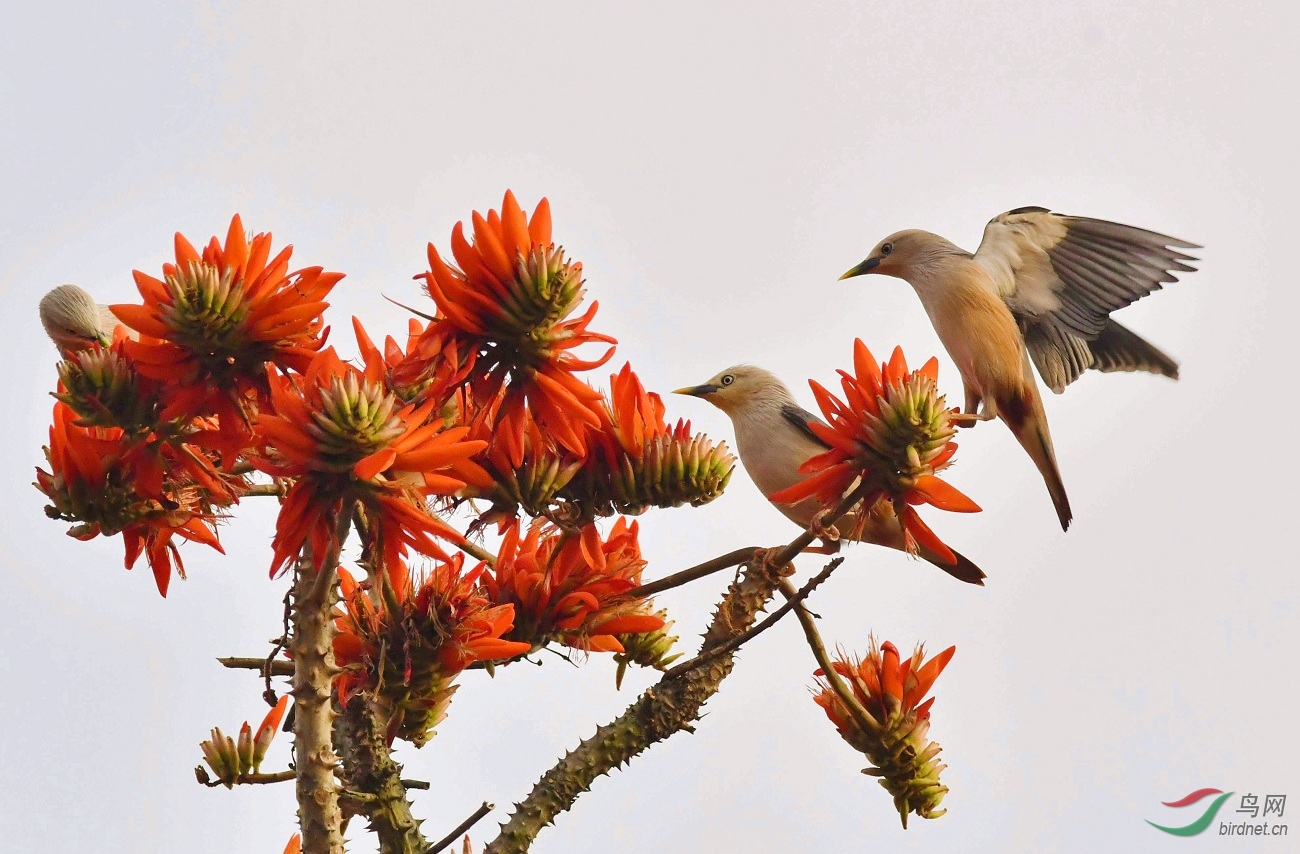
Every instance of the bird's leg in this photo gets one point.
(974, 413)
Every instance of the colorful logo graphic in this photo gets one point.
(1201, 823)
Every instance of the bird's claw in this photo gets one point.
(820, 528)
(763, 558)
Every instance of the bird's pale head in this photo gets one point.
(740, 387)
(71, 318)
(903, 253)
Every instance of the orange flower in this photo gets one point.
(101, 386)
(216, 319)
(891, 691)
(409, 645)
(92, 481)
(433, 366)
(568, 586)
(347, 439)
(887, 443)
(634, 461)
(511, 296)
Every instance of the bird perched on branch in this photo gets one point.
(773, 440)
(74, 321)
(1040, 287)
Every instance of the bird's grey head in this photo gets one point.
(904, 254)
(71, 318)
(741, 387)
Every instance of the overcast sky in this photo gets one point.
(715, 167)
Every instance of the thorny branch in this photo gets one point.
(315, 591)
(671, 705)
(739, 640)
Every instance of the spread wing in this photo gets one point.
(1062, 276)
(800, 418)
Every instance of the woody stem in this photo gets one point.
(315, 593)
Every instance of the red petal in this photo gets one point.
(374, 464)
(944, 495)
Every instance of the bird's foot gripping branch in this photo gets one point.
(478, 435)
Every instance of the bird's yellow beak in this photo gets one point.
(862, 269)
(696, 390)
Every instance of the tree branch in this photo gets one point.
(245, 779)
(315, 593)
(686, 576)
(860, 715)
(278, 668)
(369, 768)
(278, 489)
(739, 640)
(671, 705)
(465, 825)
(475, 551)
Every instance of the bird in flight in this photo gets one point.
(1041, 288)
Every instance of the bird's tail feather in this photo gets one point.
(1118, 348)
(1024, 414)
(964, 570)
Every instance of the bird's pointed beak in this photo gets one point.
(696, 390)
(862, 269)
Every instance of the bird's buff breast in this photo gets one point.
(980, 335)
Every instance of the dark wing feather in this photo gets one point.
(1062, 276)
(1104, 266)
(800, 418)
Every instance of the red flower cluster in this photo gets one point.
(213, 322)
(160, 409)
(149, 493)
(887, 443)
(634, 460)
(570, 587)
(893, 730)
(407, 640)
(506, 306)
(345, 439)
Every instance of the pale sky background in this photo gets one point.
(715, 167)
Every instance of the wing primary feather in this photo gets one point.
(1128, 262)
(1128, 233)
(1158, 255)
(1113, 289)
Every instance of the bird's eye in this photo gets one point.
(728, 379)
(886, 249)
